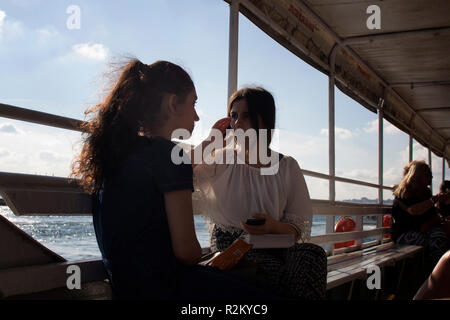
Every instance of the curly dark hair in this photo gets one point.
(132, 106)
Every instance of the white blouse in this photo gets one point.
(230, 193)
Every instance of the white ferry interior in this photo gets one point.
(400, 72)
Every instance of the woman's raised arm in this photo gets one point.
(220, 125)
(423, 206)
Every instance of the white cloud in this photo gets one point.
(94, 51)
(372, 127)
(2, 19)
(8, 128)
(48, 31)
(420, 152)
(4, 153)
(341, 133)
(46, 34)
(38, 150)
(51, 156)
(391, 129)
(9, 29)
(392, 175)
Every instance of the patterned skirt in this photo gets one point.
(298, 272)
(434, 241)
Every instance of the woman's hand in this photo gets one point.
(221, 125)
(270, 226)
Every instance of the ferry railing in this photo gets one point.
(69, 198)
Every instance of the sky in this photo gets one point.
(51, 61)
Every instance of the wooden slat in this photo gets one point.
(355, 254)
(343, 257)
(346, 236)
(348, 249)
(27, 194)
(356, 268)
(35, 203)
(340, 278)
(357, 247)
(26, 280)
(350, 211)
(20, 181)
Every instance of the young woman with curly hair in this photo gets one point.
(142, 208)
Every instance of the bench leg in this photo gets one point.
(400, 276)
(350, 291)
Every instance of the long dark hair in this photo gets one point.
(131, 107)
(260, 103)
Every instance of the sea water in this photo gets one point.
(73, 237)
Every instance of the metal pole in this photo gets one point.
(380, 151)
(331, 139)
(443, 166)
(380, 165)
(46, 119)
(431, 167)
(233, 47)
(329, 228)
(410, 148)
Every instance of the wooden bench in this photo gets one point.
(349, 267)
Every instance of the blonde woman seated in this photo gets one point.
(416, 221)
(230, 193)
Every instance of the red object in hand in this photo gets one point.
(344, 224)
(387, 222)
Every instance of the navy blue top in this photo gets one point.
(404, 221)
(131, 224)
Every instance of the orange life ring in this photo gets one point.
(344, 224)
(387, 222)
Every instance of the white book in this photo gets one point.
(267, 241)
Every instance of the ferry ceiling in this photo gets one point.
(401, 68)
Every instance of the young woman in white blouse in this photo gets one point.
(230, 193)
